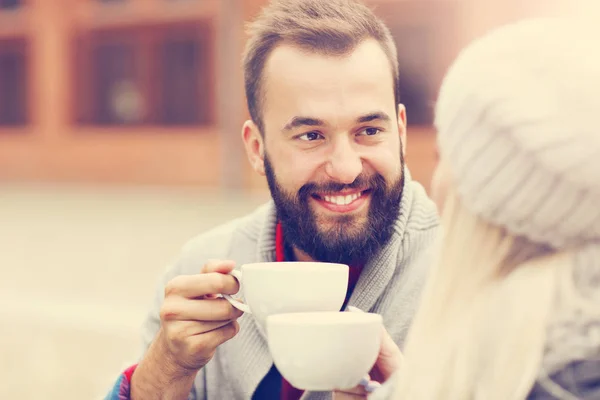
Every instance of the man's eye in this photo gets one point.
(310, 136)
(371, 131)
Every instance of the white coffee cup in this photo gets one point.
(287, 287)
(324, 351)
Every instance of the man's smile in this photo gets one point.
(346, 201)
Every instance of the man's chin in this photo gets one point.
(342, 231)
(331, 221)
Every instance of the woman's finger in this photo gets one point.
(349, 394)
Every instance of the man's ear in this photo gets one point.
(254, 145)
(402, 126)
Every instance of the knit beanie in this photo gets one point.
(518, 127)
(518, 120)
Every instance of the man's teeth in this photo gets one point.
(342, 200)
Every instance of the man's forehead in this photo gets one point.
(299, 82)
(286, 58)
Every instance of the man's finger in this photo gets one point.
(193, 328)
(221, 266)
(216, 337)
(180, 309)
(199, 285)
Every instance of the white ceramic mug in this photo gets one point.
(324, 351)
(286, 287)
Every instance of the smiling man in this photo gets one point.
(328, 131)
(328, 134)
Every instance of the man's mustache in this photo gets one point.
(362, 182)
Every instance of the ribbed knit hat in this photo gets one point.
(518, 120)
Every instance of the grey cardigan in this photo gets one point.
(390, 285)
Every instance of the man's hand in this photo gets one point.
(194, 322)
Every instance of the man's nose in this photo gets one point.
(345, 163)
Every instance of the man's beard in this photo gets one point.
(350, 241)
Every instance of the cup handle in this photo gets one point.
(236, 303)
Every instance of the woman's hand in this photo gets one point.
(388, 362)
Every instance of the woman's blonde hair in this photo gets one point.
(496, 302)
(481, 328)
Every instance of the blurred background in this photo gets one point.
(120, 139)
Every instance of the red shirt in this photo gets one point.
(288, 392)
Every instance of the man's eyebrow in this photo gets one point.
(378, 115)
(298, 121)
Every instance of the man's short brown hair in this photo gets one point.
(329, 27)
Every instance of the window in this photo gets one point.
(10, 4)
(185, 82)
(158, 75)
(13, 83)
(415, 60)
(118, 98)
(427, 38)
(109, 90)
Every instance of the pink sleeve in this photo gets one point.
(121, 389)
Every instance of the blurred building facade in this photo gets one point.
(151, 91)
